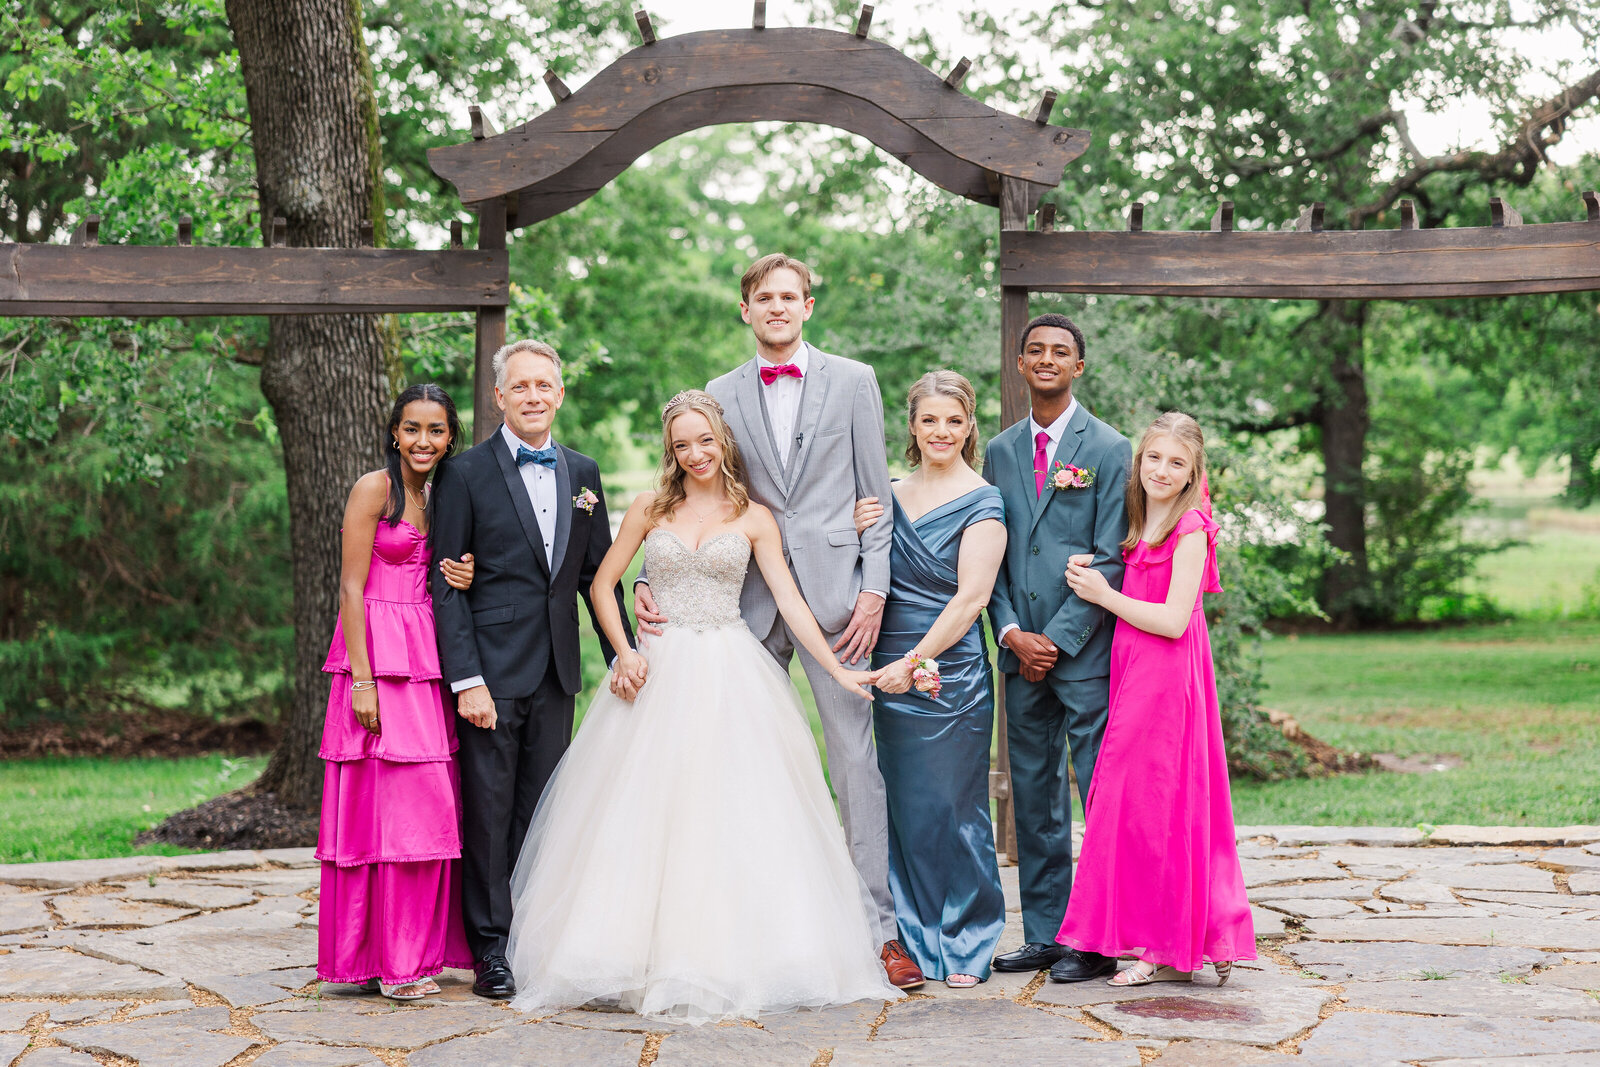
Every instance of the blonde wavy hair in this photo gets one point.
(669, 480)
(943, 383)
(1184, 430)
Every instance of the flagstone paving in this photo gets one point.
(1378, 945)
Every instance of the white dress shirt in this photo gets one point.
(1055, 430)
(783, 401)
(541, 484)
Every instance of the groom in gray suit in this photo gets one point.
(810, 427)
(1063, 475)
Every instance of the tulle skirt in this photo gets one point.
(685, 859)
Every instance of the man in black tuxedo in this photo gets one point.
(533, 515)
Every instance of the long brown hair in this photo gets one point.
(1184, 430)
(943, 383)
(670, 492)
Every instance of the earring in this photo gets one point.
(396, 441)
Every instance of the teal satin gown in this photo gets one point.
(934, 754)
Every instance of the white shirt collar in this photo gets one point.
(801, 360)
(513, 442)
(1057, 428)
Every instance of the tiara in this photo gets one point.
(687, 395)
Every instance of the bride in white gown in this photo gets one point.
(685, 859)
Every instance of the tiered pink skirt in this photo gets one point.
(391, 829)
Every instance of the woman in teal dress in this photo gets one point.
(934, 724)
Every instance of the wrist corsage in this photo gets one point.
(585, 499)
(1066, 476)
(924, 674)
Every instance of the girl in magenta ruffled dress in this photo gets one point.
(1159, 872)
(390, 837)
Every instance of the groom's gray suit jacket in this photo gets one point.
(835, 456)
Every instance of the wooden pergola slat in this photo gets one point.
(1551, 257)
(144, 281)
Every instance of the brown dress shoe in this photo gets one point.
(902, 970)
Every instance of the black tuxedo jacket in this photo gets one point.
(521, 614)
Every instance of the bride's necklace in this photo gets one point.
(701, 519)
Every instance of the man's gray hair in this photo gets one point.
(538, 348)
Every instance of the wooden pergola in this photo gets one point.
(671, 86)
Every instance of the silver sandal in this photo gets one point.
(1137, 975)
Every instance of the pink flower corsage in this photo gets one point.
(585, 499)
(1065, 476)
(924, 674)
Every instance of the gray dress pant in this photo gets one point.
(1048, 723)
(853, 771)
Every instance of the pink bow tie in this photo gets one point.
(772, 374)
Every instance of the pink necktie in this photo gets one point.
(1041, 460)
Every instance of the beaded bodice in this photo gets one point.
(698, 588)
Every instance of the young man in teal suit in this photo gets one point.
(1063, 474)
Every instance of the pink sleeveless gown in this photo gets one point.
(1159, 869)
(391, 824)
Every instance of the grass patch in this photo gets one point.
(1515, 701)
(86, 808)
(1554, 574)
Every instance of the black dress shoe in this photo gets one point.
(1030, 957)
(494, 979)
(1082, 966)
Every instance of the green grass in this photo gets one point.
(1518, 703)
(86, 808)
(1555, 574)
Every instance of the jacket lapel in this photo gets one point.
(564, 494)
(1066, 451)
(813, 399)
(520, 501)
(757, 437)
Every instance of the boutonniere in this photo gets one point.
(585, 499)
(1065, 476)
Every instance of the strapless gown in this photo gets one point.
(685, 860)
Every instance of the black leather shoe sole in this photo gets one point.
(1078, 967)
(495, 990)
(1033, 961)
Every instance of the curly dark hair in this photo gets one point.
(1061, 322)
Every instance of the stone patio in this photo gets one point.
(1473, 946)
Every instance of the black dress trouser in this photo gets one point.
(503, 773)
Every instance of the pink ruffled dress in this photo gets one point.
(391, 810)
(1159, 871)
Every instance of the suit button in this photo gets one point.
(1035, 550)
(1033, 596)
(791, 514)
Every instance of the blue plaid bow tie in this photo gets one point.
(545, 456)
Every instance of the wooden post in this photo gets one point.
(491, 331)
(1014, 203)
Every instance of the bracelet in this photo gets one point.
(356, 687)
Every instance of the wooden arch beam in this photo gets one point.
(1551, 257)
(684, 83)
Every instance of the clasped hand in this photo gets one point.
(628, 674)
(1084, 580)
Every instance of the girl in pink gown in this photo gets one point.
(390, 836)
(1159, 872)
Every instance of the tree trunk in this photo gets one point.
(328, 378)
(1345, 421)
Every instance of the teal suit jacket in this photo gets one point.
(1043, 530)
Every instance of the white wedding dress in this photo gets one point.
(685, 859)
